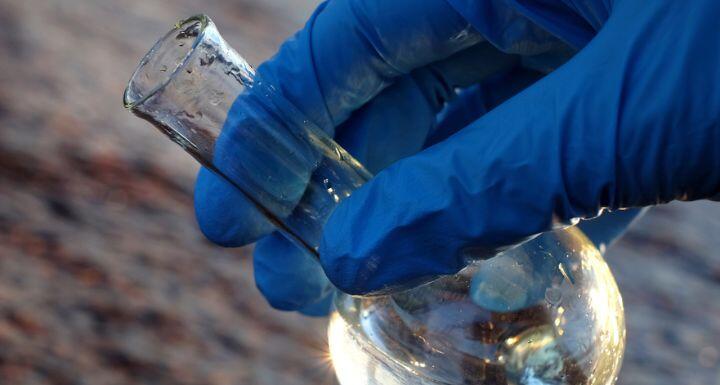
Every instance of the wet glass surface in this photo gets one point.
(544, 313)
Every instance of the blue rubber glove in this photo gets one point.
(375, 74)
(630, 120)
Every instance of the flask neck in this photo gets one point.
(204, 96)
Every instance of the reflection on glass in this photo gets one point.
(557, 319)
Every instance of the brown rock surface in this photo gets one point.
(105, 279)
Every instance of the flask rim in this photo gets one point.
(204, 21)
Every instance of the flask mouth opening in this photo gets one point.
(165, 59)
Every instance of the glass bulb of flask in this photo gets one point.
(547, 312)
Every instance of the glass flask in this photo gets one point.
(546, 312)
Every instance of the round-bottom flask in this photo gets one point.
(547, 312)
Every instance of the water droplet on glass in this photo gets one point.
(553, 296)
(191, 31)
(216, 97)
(207, 60)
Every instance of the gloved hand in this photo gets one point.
(631, 120)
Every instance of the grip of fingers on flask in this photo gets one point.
(546, 312)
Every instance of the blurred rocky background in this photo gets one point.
(105, 279)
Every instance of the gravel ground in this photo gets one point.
(105, 279)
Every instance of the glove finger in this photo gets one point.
(396, 123)
(349, 51)
(289, 277)
(473, 102)
(224, 215)
(391, 126)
